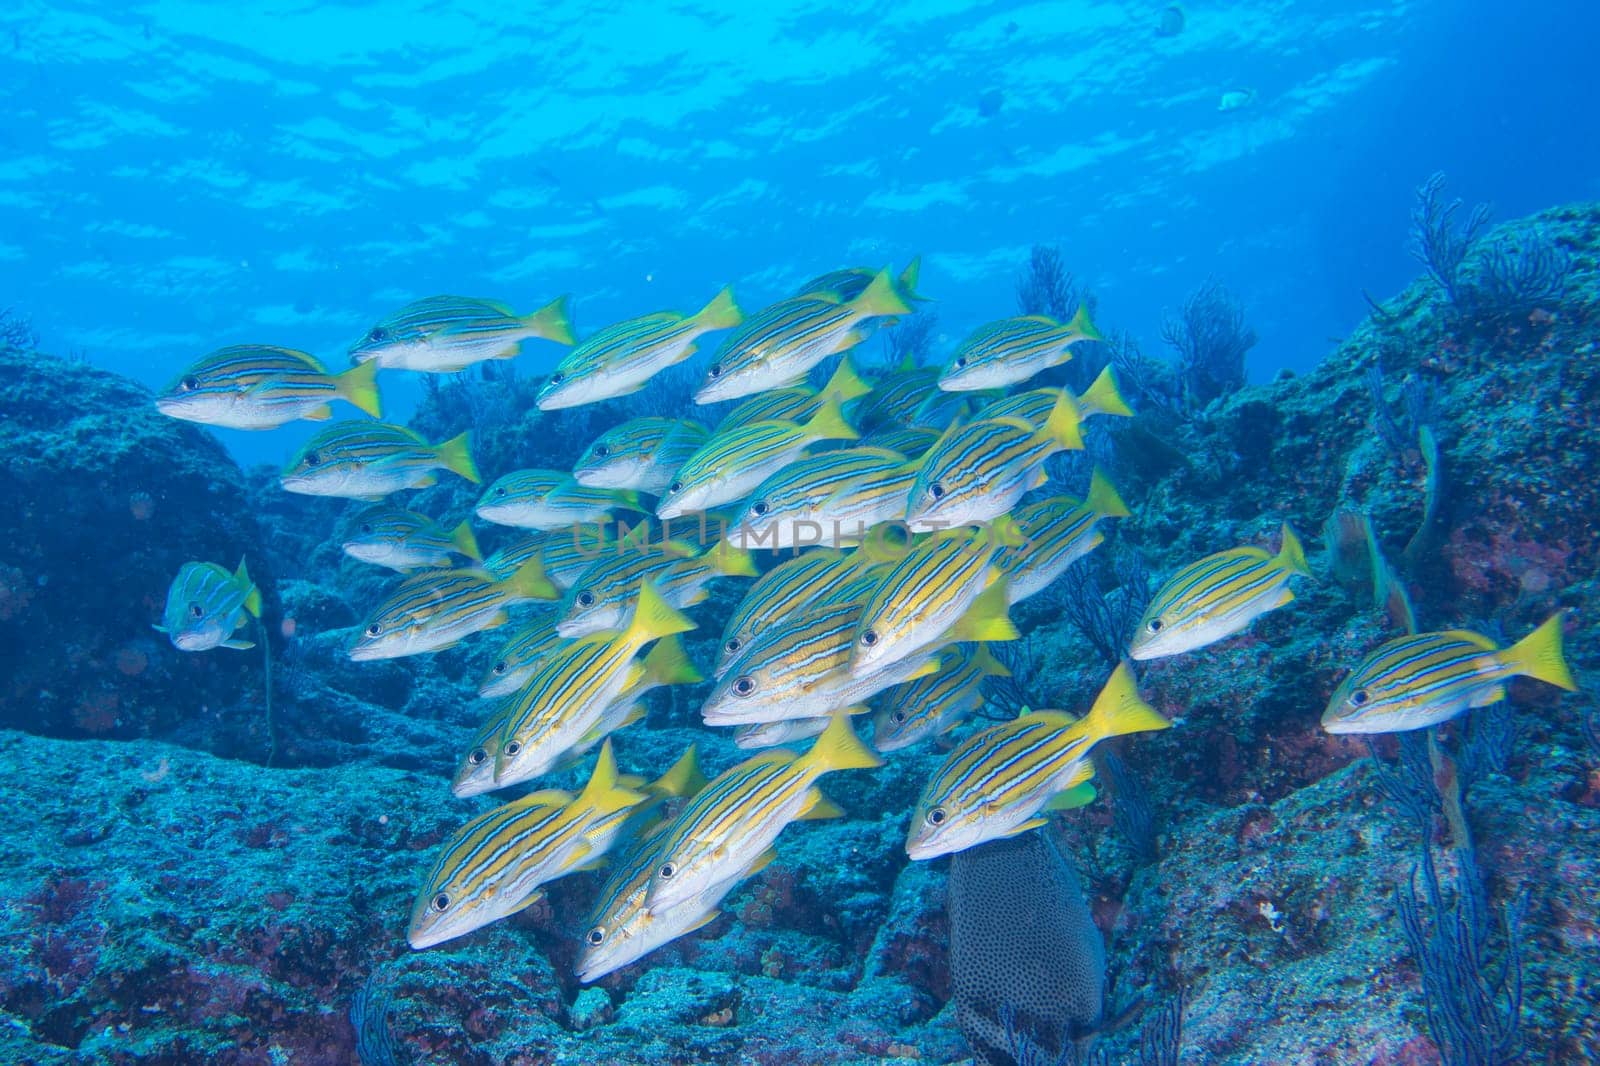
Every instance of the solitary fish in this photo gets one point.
(436, 608)
(737, 817)
(621, 358)
(1012, 350)
(206, 604)
(549, 500)
(1421, 680)
(444, 334)
(998, 781)
(258, 386)
(778, 346)
(933, 705)
(1059, 531)
(1217, 597)
(405, 540)
(642, 454)
(492, 867)
(369, 460)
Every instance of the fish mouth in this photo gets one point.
(427, 938)
(362, 651)
(191, 642)
(922, 850)
(1338, 726)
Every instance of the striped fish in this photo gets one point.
(799, 669)
(1059, 531)
(493, 866)
(730, 465)
(935, 704)
(444, 334)
(1421, 680)
(258, 386)
(520, 657)
(1217, 597)
(1012, 350)
(789, 510)
(945, 589)
(603, 598)
(565, 553)
(778, 346)
(896, 397)
(475, 771)
(798, 403)
(549, 500)
(1000, 781)
(642, 454)
(845, 285)
(621, 358)
(978, 472)
(368, 460)
(908, 440)
(939, 410)
(882, 497)
(567, 695)
(436, 608)
(789, 731)
(404, 540)
(815, 578)
(206, 604)
(1034, 406)
(737, 817)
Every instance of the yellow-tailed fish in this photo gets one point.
(730, 465)
(798, 668)
(642, 454)
(908, 440)
(939, 410)
(809, 580)
(517, 660)
(1059, 531)
(493, 866)
(779, 345)
(758, 735)
(851, 282)
(475, 770)
(604, 596)
(443, 334)
(206, 604)
(404, 540)
(949, 578)
(896, 396)
(935, 704)
(797, 403)
(1217, 597)
(567, 695)
(978, 472)
(258, 386)
(739, 815)
(549, 500)
(789, 508)
(565, 553)
(435, 608)
(368, 460)
(1012, 350)
(1034, 406)
(882, 496)
(1421, 680)
(621, 358)
(1000, 781)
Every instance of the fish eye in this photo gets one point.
(716, 370)
(668, 871)
(501, 491)
(312, 458)
(936, 490)
(596, 936)
(759, 508)
(189, 384)
(961, 362)
(601, 451)
(512, 748)
(366, 527)
(733, 645)
(1358, 697)
(374, 629)
(196, 611)
(676, 486)
(556, 379)
(1155, 625)
(441, 901)
(500, 667)
(585, 599)
(935, 816)
(869, 638)
(898, 717)
(478, 757)
(744, 686)
(377, 334)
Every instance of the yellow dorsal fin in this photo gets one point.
(986, 664)
(667, 664)
(828, 423)
(986, 618)
(528, 582)
(1064, 427)
(455, 455)
(818, 807)
(359, 387)
(845, 384)
(880, 298)
(721, 313)
(1081, 325)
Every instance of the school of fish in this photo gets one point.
(885, 523)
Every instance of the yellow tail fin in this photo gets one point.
(654, 617)
(359, 385)
(1291, 556)
(683, 778)
(838, 748)
(1102, 498)
(604, 793)
(986, 619)
(552, 322)
(828, 423)
(720, 313)
(727, 559)
(987, 665)
(529, 582)
(252, 598)
(455, 455)
(1119, 709)
(908, 279)
(1103, 397)
(1081, 325)
(465, 543)
(1539, 655)
(846, 384)
(667, 664)
(1064, 426)
(879, 298)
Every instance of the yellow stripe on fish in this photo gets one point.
(789, 508)
(206, 604)
(444, 334)
(1012, 350)
(367, 460)
(1059, 531)
(259, 386)
(549, 500)
(520, 657)
(435, 608)
(405, 540)
(1100, 398)
(933, 705)
(642, 454)
(798, 403)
